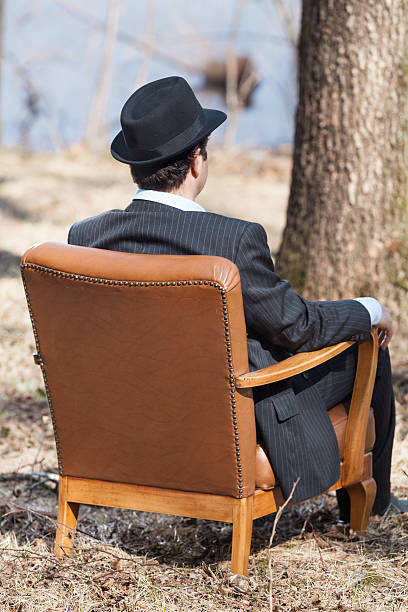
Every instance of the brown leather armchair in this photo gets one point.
(145, 365)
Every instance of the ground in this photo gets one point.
(136, 561)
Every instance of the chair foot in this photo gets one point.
(362, 497)
(67, 521)
(241, 535)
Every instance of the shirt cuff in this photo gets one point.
(374, 308)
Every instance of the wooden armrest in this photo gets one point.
(359, 409)
(290, 367)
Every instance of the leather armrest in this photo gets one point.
(290, 367)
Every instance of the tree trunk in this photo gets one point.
(346, 232)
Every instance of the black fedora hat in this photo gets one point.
(160, 121)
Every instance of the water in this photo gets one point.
(56, 55)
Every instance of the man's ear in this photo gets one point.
(196, 165)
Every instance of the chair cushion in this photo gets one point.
(264, 476)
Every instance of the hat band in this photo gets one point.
(173, 145)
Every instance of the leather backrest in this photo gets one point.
(139, 354)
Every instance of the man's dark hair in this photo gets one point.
(172, 176)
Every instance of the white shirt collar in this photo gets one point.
(170, 199)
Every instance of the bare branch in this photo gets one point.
(275, 522)
(1, 62)
(147, 45)
(136, 43)
(287, 21)
(98, 107)
(232, 98)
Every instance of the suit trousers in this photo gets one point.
(334, 382)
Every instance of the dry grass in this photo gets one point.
(127, 560)
(136, 561)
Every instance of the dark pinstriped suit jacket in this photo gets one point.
(294, 427)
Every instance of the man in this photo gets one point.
(163, 139)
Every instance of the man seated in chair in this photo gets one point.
(163, 139)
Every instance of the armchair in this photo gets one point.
(145, 365)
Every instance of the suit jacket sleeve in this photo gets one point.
(279, 315)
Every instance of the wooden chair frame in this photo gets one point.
(356, 469)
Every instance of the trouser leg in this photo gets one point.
(335, 380)
(383, 404)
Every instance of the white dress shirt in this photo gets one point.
(171, 199)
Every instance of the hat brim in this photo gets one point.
(211, 120)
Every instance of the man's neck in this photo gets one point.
(185, 193)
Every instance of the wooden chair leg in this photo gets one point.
(67, 520)
(362, 497)
(241, 535)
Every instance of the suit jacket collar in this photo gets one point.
(149, 206)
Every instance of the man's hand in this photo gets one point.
(384, 328)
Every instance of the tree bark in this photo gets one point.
(347, 221)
